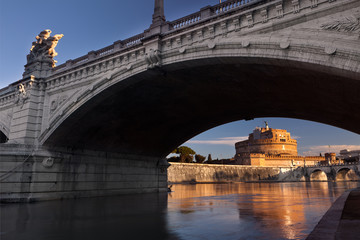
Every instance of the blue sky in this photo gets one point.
(92, 25)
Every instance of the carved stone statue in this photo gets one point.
(345, 24)
(43, 50)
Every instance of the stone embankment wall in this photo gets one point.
(32, 175)
(202, 173)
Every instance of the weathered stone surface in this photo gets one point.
(202, 173)
(25, 178)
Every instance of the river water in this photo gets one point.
(201, 211)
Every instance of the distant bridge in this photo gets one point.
(137, 99)
(340, 172)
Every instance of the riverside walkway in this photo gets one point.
(342, 220)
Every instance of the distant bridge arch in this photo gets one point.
(342, 172)
(346, 174)
(318, 175)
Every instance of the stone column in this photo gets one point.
(158, 17)
(158, 24)
(27, 111)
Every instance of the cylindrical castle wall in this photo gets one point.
(267, 147)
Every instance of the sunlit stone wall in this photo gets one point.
(202, 173)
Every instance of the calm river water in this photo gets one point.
(201, 211)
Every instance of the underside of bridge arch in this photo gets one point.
(3, 138)
(318, 175)
(155, 111)
(346, 174)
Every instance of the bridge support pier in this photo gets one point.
(30, 174)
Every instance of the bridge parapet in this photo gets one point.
(211, 11)
(212, 21)
(7, 96)
(116, 47)
(333, 165)
(126, 45)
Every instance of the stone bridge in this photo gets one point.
(104, 122)
(341, 172)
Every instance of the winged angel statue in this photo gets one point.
(44, 47)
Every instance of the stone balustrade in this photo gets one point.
(102, 61)
(7, 98)
(210, 11)
(182, 22)
(336, 164)
(133, 40)
(229, 5)
(118, 46)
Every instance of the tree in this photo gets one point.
(173, 159)
(187, 158)
(186, 153)
(209, 160)
(199, 158)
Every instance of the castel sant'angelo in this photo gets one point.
(271, 147)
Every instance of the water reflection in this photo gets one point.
(202, 211)
(252, 211)
(123, 217)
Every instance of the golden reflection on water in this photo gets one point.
(283, 210)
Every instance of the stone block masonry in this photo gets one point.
(206, 173)
(29, 175)
(212, 173)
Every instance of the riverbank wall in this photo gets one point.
(212, 173)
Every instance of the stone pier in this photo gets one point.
(28, 174)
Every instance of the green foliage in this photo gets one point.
(186, 158)
(184, 150)
(199, 158)
(186, 154)
(173, 159)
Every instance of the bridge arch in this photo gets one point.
(346, 174)
(318, 175)
(138, 110)
(4, 133)
(3, 138)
